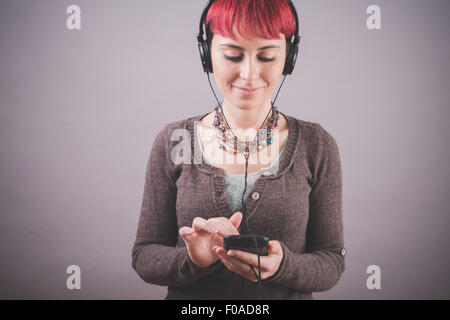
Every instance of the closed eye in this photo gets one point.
(264, 59)
(239, 58)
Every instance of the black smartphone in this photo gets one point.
(246, 242)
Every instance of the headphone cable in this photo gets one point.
(244, 225)
(209, 80)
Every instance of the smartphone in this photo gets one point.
(246, 242)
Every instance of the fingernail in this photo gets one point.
(187, 231)
(230, 253)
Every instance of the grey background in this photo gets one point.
(80, 109)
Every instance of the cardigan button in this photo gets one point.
(255, 195)
(343, 251)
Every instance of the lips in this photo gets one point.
(247, 91)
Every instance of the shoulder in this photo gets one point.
(314, 138)
(310, 131)
(318, 148)
(167, 138)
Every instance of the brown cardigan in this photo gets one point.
(300, 206)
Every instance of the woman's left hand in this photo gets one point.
(238, 261)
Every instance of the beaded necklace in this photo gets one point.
(228, 141)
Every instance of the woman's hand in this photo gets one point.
(205, 234)
(240, 262)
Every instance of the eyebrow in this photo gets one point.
(242, 49)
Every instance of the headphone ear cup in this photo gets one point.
(208, 57)
(291, 59)
(205, 56)
(287, 61)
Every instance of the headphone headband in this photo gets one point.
(294, 12)
(210, 2)
(205, 12)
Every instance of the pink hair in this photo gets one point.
(266, 18)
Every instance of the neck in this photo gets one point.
(245, 120)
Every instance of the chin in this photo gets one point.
(243, 105)
(246, 104)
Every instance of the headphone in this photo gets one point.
(291, 56)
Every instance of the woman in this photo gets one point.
(293, 194)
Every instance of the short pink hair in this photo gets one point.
(266, 18)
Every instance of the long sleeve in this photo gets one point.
(320, 268)
(155, 256)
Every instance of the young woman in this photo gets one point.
(285, 185)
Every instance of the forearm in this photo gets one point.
(167, 266)
(309, 272)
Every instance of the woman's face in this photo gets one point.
(257, 64)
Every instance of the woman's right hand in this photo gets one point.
(205, 234)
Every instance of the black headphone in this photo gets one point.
(292, 42)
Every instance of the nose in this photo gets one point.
(249, 69)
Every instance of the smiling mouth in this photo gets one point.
(247, 92)
(247, 89)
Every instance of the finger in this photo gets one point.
(236, 219)
(245, 274)
(247, 257)
(185, 233)
(228, 225)
(274, 248)
(211, 227)
(224, 226)
(219, 250)
(217, 240)
(236, 265)
(200, 224)
(219, 228)
(266, 262)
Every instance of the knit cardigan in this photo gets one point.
(300, 206)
